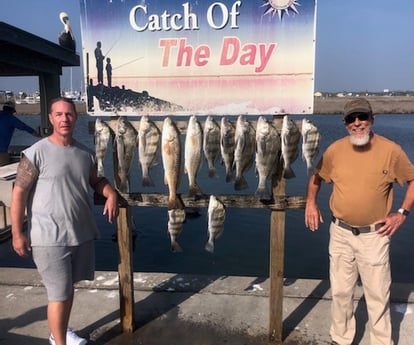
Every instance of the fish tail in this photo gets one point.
(124, 184)
(209, 246)
(212, 172)
(289, 173)
(229, 176)
(312, 170)
(240, 183)
(175, 247)
(147, 181)
(175, 203)
(195, 190)
(262, 193)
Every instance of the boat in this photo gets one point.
(7, 179)
(73, 95)
(30, 100)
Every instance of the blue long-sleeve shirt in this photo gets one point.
(8, 123)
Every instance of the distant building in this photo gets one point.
(6, 96)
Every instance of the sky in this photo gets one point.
(360, 45)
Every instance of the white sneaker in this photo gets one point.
(71, 339)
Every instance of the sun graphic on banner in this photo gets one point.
(280, 7)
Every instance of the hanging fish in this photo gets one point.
(102, 135)
(268, 147)
(211, 144)
(176, 218)
(126, 142)
(193, 154)
(227, 146)
(148, 142)
(216, 216)
(310, 144)
(290, 136)
(171, 159)
(244, 151)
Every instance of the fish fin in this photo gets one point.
(192, 212)
(242, 143)
(289, 173)
(240, 183)
(262, 146)
(147, 181)
(209, 246)
(263, 194)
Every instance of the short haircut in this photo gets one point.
(64, 99)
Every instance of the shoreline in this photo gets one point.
(322, 105)
(380, 104)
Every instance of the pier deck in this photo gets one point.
(175, 309)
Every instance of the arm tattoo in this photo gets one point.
(26, 174)
(98, 181)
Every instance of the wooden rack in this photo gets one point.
(277, 206)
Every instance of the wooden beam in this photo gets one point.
(279, 202)
(28, 62)
(32, 44)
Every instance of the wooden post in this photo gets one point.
(125, 263)
(125, 271)
(276, 265)
(49, 87)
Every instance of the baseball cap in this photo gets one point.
(357, 105)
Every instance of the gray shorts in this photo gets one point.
(61, 267)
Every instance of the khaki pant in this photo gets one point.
(4, 158)
(366, 255)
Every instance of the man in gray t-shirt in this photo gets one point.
(53, 181)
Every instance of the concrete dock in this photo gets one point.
(174, 309)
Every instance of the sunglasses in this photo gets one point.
(361, 117)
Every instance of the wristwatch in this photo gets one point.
(403, 211)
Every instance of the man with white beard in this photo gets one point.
(362, 168)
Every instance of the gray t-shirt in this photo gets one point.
(59, 206)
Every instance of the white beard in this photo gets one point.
(361, 141)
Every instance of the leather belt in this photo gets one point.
(356, 230)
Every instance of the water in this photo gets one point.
(243, 249)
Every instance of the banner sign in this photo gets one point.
(168, 57)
